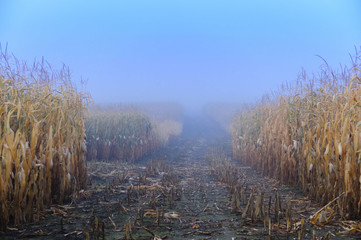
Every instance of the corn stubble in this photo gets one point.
(42, 139)
(309, 136)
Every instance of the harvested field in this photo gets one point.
(183, 191)
(180, 120)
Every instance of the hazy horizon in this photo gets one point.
(190, 52)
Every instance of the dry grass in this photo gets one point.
(309, 136)
(42, 141)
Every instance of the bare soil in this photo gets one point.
(180, 192)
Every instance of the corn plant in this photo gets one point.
(119, 135)
(125, 134)
(42, 139)
(310, 136)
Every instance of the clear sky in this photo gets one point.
(191, 51)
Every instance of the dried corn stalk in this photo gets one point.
(42, 139)
(310, 135)
(125, 134)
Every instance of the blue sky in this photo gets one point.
(187, 51)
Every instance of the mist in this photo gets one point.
(187, 52)
(180, 119)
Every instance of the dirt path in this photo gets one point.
(190, 190)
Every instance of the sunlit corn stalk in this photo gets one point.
(309, 135)
(42, 139)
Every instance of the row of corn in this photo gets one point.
(42, 140)
(309, 136)
(123, 134)
(43, 146)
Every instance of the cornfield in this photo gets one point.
(125, 134)
(42, 139)
(309, 136)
